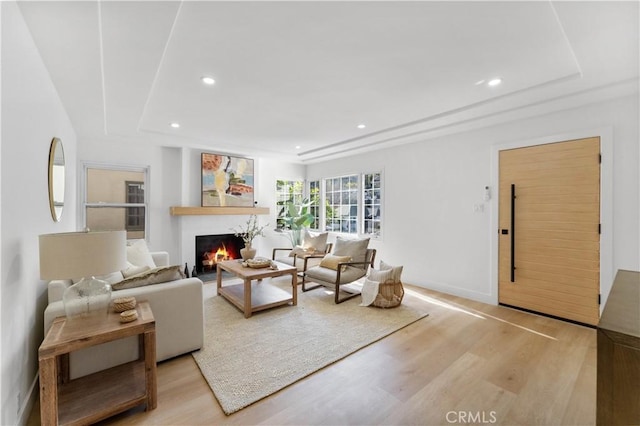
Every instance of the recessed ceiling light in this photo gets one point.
(209, 81)
(298, 147)
(361, 126)
(175, 125)
(494, 82)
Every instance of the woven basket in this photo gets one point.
(389, 295)
(122, 304)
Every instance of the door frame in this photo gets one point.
(606, 202)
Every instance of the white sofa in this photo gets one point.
(178, 310)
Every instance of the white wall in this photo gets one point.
(431, 187)
(175, 181)
(32, 114)
(266, 171)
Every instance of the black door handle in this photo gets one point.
(513, 233)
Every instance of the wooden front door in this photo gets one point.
(549, 217)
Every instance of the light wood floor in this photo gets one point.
(467, 363)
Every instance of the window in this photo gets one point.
(314, 208)
(341, 212)
(287, 190)
(371, 199)
(353, 204)
(115, 199)
(135, 215)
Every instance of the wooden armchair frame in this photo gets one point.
(337, 283)
(306, 257)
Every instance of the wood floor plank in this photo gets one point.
(458, 359)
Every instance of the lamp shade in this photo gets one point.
(81, 254)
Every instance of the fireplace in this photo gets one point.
(211, 249)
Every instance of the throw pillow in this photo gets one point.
(331, 261)
(396, 271)
(298, 251)
(112, 278)
(379, 276)
(154, 276)
(134, 270)
(356, 249)
(316, 242)
(138, 254)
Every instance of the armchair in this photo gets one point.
(345, 272)
(307, 255)
(300, 259)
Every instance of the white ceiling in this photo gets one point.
(307, 73)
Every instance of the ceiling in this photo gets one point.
(293, 80)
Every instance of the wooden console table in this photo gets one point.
(618, 388)
(97, 396)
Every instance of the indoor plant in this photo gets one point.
(295, 218)
(248, 232)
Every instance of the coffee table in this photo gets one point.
(251, 296)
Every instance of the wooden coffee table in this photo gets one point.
(252, 297)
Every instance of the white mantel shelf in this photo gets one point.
(200, 211)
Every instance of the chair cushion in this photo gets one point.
(316, 242)
(356, 249)
(396, 271)
(329, 275)
(331, 261)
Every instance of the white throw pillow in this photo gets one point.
(112, 278)
(138, 254)
(396, 271)
(134, 270)
(379, 276)
(317, 242)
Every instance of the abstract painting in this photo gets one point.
(227, 181)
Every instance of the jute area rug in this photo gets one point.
(245, 360)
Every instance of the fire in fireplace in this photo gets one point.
(211, 249)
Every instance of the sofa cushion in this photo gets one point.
(356, 249)
(153, 276)
(138, 254)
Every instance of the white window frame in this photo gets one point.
(302, 193)
(319, 202)
(361, 211)
(118, 167)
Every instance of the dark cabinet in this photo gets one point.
(618, 389)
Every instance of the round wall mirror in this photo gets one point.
(56, 179)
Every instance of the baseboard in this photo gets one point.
(29, 402)
(457, 291)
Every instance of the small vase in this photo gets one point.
(247, 253)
